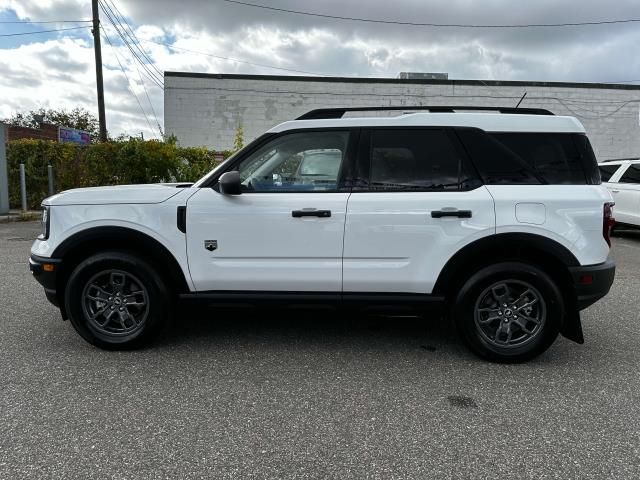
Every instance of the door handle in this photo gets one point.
(451, 213)
(311, 212)
(615, 191)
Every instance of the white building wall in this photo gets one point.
(206, 110)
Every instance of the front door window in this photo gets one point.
(298, 162)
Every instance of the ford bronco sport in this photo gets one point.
(496, 215)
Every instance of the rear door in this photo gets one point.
(626, 193)
(417, 203)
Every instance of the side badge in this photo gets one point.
(211, 245)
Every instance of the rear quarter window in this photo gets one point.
(632, 175)
(532, 158)
(552, 156)
(607, 171)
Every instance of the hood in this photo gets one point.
(155, 193)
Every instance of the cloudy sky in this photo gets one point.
(57, 69)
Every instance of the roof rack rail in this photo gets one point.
(327, 113)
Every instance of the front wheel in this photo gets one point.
(116, 300)
(509, 312)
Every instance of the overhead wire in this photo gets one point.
(121, 19)
(430, 24)
(131, 34)
(173, 47)
(43, 21)
(153, 110)
(128, 81)
(158, 81)
(43, 31)
(135, 63)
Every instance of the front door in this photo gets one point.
(285, 231)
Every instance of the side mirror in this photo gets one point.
(230, 183)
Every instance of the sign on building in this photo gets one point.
(73, 135)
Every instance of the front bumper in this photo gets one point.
(592, 282)
(45, 271)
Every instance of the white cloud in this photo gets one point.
(60, 72)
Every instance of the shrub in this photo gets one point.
(111, 163)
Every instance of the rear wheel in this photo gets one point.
(116, 300)
(509, 312)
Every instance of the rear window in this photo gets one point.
(607, 171)
(533, 158)
(632, 175)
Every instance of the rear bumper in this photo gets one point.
(592, 282)
(45, 271)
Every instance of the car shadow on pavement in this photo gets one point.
(429, 332)
(628, 233)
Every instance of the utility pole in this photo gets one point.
(98, 52)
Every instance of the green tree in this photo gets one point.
(238, 139)
(77, 118)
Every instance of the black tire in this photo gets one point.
(513, 335)
(121, 290)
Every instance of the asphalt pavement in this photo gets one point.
(250, 394)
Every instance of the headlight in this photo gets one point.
(45, 222)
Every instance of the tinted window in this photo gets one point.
(414, 159)
(587, 157)
(552, 156)
(607, 171)
(632, 175)
(531, 158)
(496, 163)
(297, 162)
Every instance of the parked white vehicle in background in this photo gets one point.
(622, 178)
(499, 219)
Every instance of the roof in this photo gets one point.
(491, 122)
(485, 83)
(619, 161)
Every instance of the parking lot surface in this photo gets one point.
(250, 394)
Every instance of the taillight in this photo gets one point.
(608, 221)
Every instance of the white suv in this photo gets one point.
(622, 178)
(497, 218)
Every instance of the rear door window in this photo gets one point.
(415, 160)
(632, 175)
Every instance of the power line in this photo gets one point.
(237, 60)
(417, 24)
(46, 21)
(130, 33)
(128, 83)
(156, 80)
(153, 110)
(42, 31)
(153, 76)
